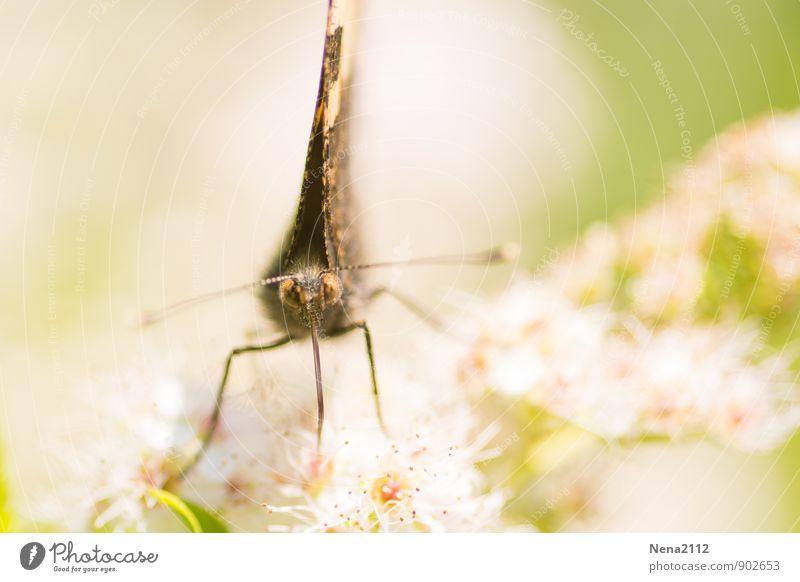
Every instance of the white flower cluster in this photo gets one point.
(262, 471)
(101, 471)
(612, 376)
(421, 477)
(741, 197)
(417, 485)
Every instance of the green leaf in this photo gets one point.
(208, 521)
(178, 507)
(195, 518)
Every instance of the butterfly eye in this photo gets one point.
(330, 289)
(292, 294)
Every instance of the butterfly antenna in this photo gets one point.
(502, 254)
(153, 316)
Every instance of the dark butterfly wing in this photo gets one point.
(342, 236)
(323, 213)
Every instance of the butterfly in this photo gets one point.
(313, 287)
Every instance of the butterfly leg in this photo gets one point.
(374, 376)
(214, 420)
(362, 325)
(411, 305)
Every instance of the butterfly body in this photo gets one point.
(314, 285)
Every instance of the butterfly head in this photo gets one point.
(309, 294)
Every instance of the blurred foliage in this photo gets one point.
(723, 66)
(751, 293)
(788, 460)
(5, 513)
(726, 62)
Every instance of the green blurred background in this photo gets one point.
(148, 151)
(726, 61)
